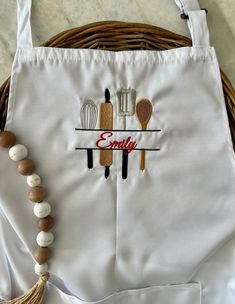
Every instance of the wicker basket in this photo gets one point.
(120, 36)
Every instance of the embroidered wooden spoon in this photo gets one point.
(144, 111)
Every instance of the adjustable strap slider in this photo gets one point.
(184, 16)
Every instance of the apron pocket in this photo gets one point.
(166, 294)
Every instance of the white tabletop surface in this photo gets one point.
(51, 17)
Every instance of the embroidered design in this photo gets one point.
(106, 140)
(106, 123)
(144, 111)
(126, 107)
(88, 114)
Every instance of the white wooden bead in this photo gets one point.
(18, 152)
(33, 180)
(45, 238)
(40, 268)
(42, 209)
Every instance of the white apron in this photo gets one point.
(162, 235)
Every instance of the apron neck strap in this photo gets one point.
(197, 23)
(24, 33)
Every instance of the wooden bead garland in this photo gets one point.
(36, 194)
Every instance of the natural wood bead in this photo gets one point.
(26, 167)
(7, 139)
(46, 223)
(42, 254)
(37, 194)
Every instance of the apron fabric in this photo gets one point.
(162, 235)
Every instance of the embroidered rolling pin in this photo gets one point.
(106, 123)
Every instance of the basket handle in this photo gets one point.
(190, 9)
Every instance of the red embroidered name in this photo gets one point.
(126, 144)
